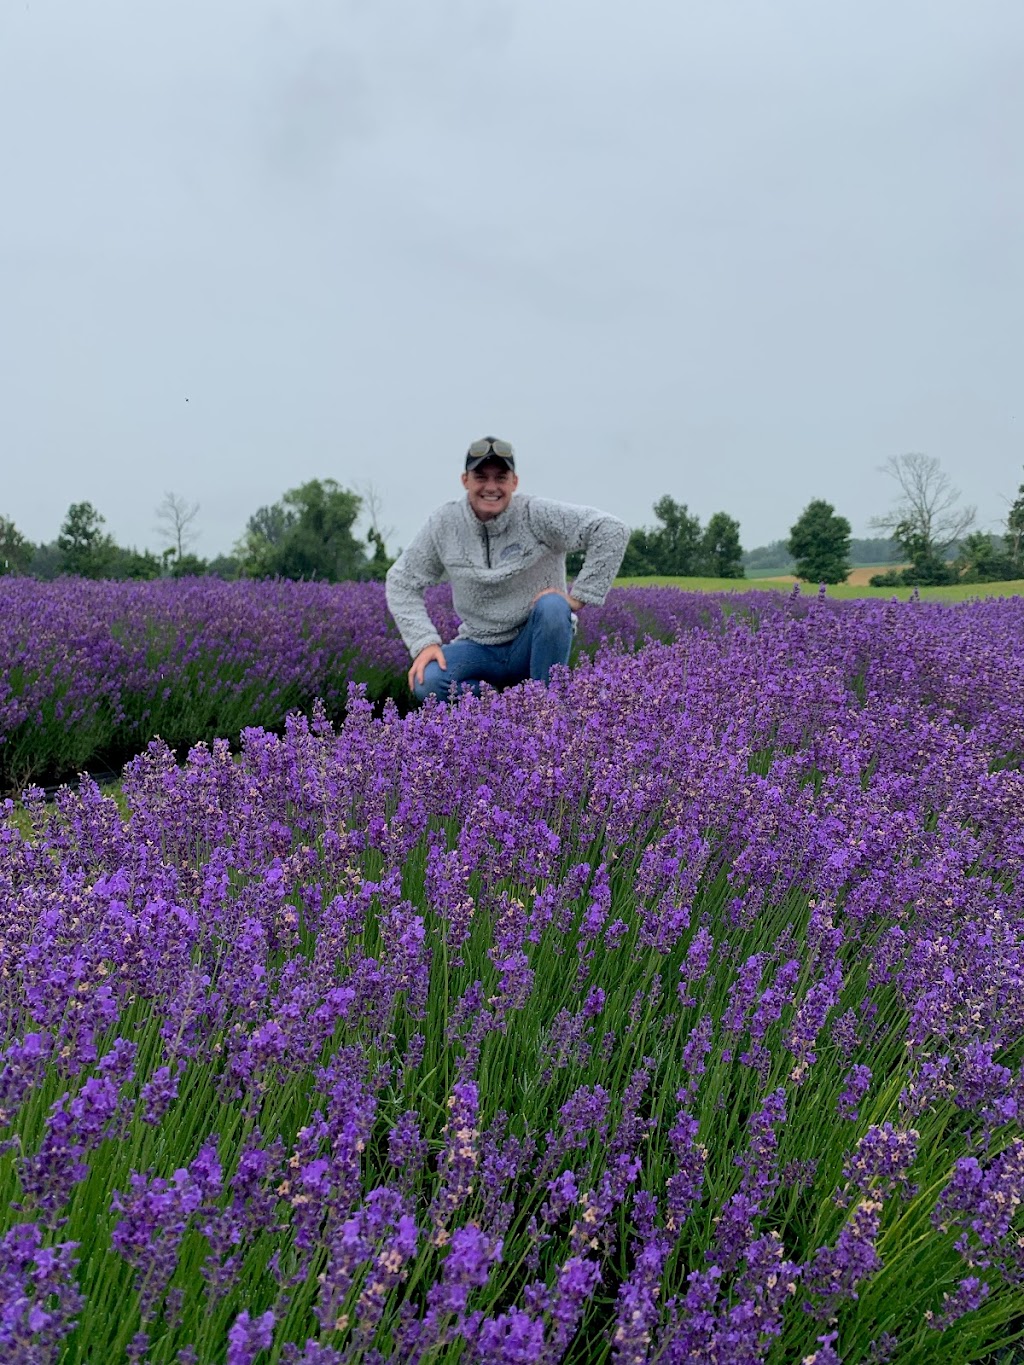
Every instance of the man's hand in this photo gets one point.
(574, 603)
(430, 653)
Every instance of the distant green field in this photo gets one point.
(958, 593)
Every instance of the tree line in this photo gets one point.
(310, 533)
(933, 532)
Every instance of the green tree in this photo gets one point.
(15, 549)
(721, 554)
(640, 559)
(225, 567)
(123, 562)
(773, 556)
(982, 559)
(47, 562)
(86, 550)
(1015, 534)
(380, 561)
(676, 544)
(819, 542)
(187, 566)
(308, 534)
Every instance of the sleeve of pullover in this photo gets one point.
(603, 538)
(417, 568)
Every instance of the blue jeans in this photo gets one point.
(545, 639)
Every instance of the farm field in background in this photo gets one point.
(673, 1013)
(859, 575)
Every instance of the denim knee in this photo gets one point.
(432, 682)
(441, 684)
(552, 610)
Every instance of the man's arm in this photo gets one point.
(603, 538)
(417, 568)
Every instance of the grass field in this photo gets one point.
(963, 592)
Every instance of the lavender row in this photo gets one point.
(673, 1013)
(90, 671)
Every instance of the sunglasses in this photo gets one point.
(491, 445)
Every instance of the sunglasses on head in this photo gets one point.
(490, 445)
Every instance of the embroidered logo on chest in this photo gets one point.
(513, 551)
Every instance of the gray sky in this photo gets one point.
(739, 251)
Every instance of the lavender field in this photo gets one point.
(90, 671)
(673, 1013)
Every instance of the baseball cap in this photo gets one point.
(490, 448)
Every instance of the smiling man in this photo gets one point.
(504, 554)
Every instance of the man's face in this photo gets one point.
(490, 487)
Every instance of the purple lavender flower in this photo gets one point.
(39, 1298)
(249, 1336)
(856, 1084)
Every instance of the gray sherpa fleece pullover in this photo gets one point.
(497, 567)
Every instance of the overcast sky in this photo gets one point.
(739, 251)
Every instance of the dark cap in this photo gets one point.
(490, 448)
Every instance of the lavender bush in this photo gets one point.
(673, 1013)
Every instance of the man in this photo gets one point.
(505, 557)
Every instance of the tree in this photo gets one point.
(773, 556)
(15, 549)
(676, 544)
(380, 561)
(85, 548)
(982, 560)
(378, 535)
(721, 555)
(926, 519)
(188, 566)
(122, 563)
(308, 534)
(819, 541)
(224, 567)
(47, 562)
(1015, 533)
(174, 518)
(639, 561)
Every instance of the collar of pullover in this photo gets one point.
(497, 523)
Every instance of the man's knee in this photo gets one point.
(553, 610)
(441, 684)
(433, 683)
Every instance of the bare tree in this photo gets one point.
(378, 535)
(926, 518)
(174, 521)
(372, 508)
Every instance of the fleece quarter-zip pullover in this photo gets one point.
(497, 567)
